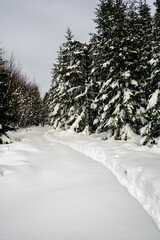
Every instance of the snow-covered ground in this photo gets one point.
(51, 191)
(136, 167)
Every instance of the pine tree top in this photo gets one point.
(69, 35)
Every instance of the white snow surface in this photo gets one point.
(52, 189)
(135, 167)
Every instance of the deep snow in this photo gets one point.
(136, 167)
(50, 191)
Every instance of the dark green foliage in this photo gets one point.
(116, 101)
(111, 84)
(157, 21)
(70, 95)
(151, 129)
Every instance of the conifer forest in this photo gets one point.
(110, 84)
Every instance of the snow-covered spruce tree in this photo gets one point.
(58, 99)
(35, 106)
(157, 21)
(45, 110)
(82, 90)
(69, 96)
(102, 54)
(151, 130)
(30, 105)
(115, 100)
(141, 68)
(125, 66)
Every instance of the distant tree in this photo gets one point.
(35, 104)
(45, 111)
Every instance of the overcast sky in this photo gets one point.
(33, 30)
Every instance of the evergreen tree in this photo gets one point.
(45, 110)
(30, 107)
(122, 95)
(115, 99)
(145, 41)
(81, 92)
(35, 104)
(151, 131)
(102, 54)
(141, 68)
(112, 83)
(69, 94)
(58, 99)
(157, 21)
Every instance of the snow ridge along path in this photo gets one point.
(50, 191)
(135, 167)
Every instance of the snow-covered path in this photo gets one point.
(49, 191)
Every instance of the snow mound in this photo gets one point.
(5, 139)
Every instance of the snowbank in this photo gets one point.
(14, 136)
(136, 167)
(4, 139)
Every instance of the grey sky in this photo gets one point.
(33, 30)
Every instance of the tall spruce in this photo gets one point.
(157, 21)
(59, 98)
(151, 130)
(102, 53)
(69, 98)
(115, 98)
(143, 49)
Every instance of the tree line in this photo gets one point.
(20, 101)
(112, 83)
